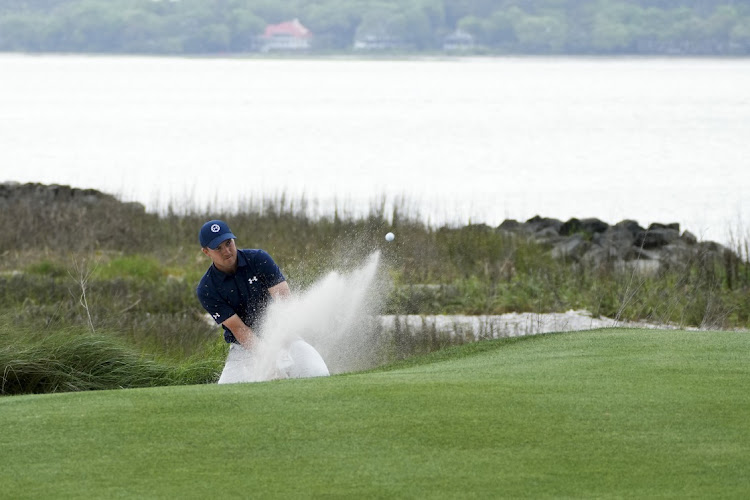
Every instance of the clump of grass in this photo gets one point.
(47, 268)
(75, 360)
(141, 267)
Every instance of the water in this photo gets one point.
(656, 140)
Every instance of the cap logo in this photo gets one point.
(215, 228)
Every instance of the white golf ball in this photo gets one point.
(390, 237)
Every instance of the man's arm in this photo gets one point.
(280, 291)
(241, 331)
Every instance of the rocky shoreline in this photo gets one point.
(35, 194)
(588, 241)
(625, 244)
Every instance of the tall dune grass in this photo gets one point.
(72, 359)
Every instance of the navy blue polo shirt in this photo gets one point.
(244, 293)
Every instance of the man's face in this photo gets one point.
(225, 255)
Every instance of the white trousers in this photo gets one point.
(298, 360)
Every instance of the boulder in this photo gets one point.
(592, 226)
(711, 247)
(615, 236)
(657, 225)
(656, 237)
(639, 267)
(587, 226)
(629, 225)
(677, 254)
(616, 243)
(572, 248)
(509, 225)
(643, 254)
(53, 195)
(478, 228)
(598, 255)
(571, 226)
(547, 235)
(537, 224)
(689, 238)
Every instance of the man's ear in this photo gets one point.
(205, 250)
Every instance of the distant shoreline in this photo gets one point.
(44, 194)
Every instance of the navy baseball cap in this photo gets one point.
(214, 233)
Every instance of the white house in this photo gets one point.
(458, 40)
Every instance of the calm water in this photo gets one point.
(654, 140)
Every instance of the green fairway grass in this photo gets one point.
(600, 414)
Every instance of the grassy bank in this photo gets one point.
(113, 270)
(600, 414)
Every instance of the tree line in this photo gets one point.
(690, 27)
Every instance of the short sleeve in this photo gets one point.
(214, 305)
(267, 268)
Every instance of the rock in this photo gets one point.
(58, 195)
(640, 267)
(547, 235)
(509, 225)
(588, 226)
(677, 254)
(571, 226)
(573, 248)
(689, 238)
(615, 236)
(629, 225)
(656, 237)
(592, 226)
(711, 246)
(642, 254)
(615, 244)
(537, 224)
(66, 218)
(673, 225)
(597, 256)
(478, 228)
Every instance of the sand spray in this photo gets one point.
(336, 315)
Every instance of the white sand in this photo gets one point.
(509, 325)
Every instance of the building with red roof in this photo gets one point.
(289, 35)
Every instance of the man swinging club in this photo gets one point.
(235, 291)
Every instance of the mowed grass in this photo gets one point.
(607, 413)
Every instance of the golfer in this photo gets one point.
(236, 290)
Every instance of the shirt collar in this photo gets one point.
(241, 262)
(241, 259)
